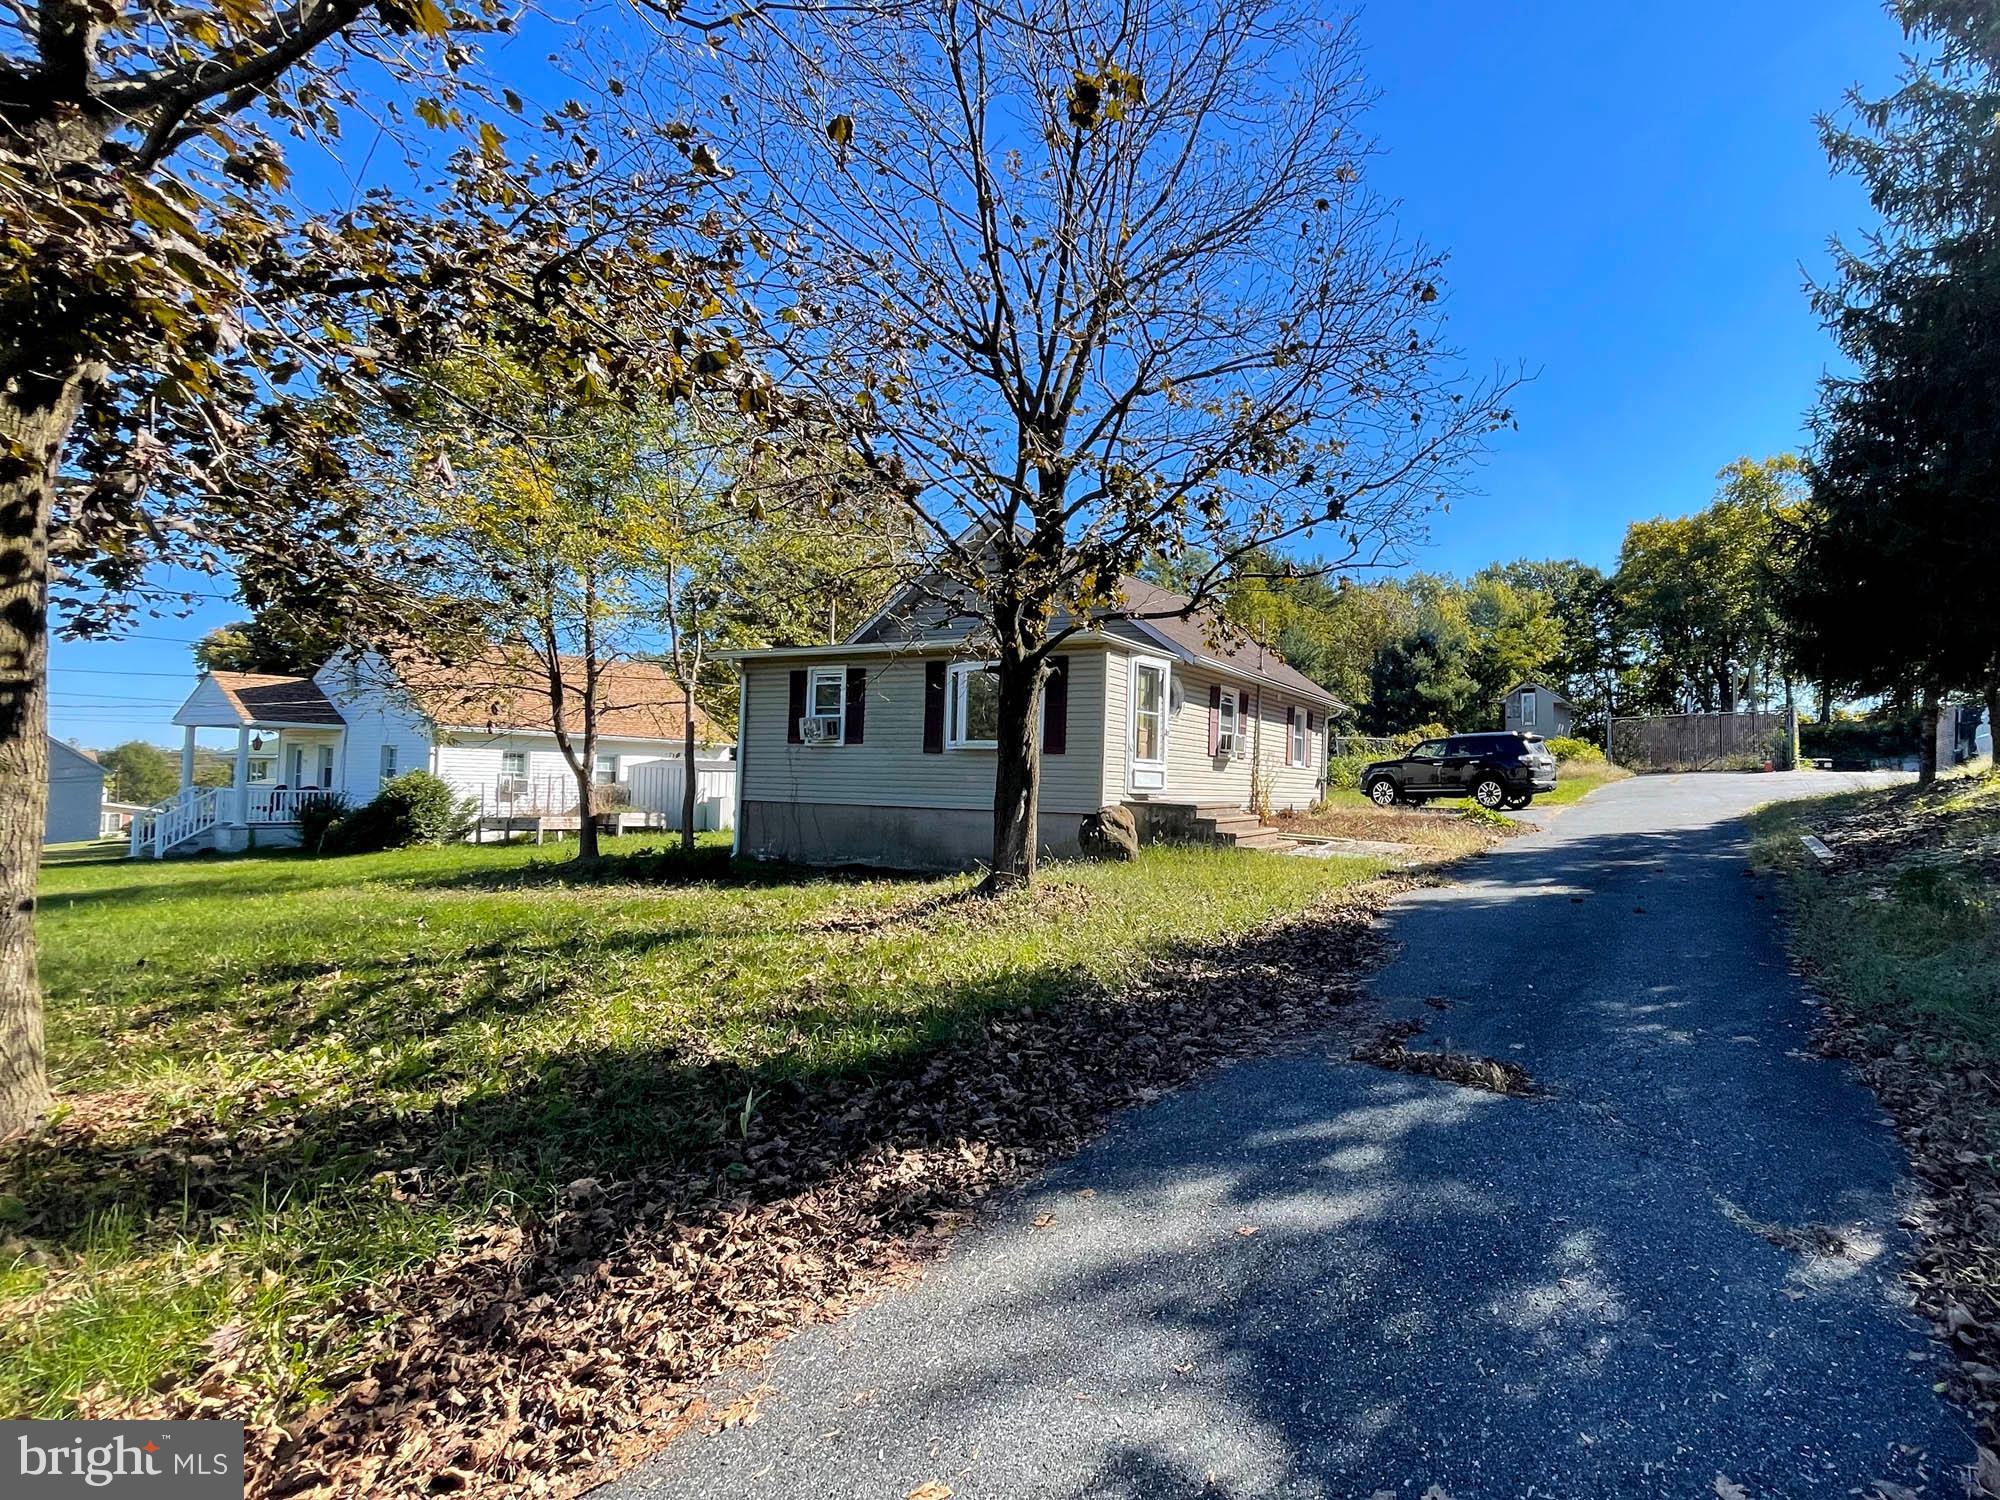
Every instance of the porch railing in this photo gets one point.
(190, 811)
(278, 804)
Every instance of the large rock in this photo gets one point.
(1110, 833)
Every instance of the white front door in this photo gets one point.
(1146, 765)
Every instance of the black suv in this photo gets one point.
(1494, 770)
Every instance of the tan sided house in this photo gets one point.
(879, 750)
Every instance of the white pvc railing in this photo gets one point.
(190, 811)
(278, 804)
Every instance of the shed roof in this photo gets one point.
(1540, 687)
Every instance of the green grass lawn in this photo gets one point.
(284, 1080)
(1904, 928)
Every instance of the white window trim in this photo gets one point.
(597, 768)
(386, 762)
(1242, 723)
(509, 755)
(1132, 761)
(838, 677)
(957, 676)
(1527, 709)
(1298, 752)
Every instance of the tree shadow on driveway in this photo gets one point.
(1312, 1278)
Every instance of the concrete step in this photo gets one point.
(1267, 838)
(1239, 823)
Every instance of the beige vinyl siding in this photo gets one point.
(1116, 725)
(889, 768)
(1193, 775)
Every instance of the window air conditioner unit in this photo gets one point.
(818, 730)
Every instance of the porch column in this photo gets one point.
(243, 775)
(187, 758)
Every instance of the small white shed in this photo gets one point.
(76, 795)
(1535, 708)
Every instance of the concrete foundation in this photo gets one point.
(232, 838)
(893, 838)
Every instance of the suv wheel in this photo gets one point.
(1382, 792)
(1489, 792)
(1518, 800)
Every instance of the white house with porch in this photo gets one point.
(482, 726)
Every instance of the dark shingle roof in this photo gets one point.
(1198, 634)
(266, 698)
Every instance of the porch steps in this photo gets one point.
(1235, 827)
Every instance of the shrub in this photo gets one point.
(1344, 771)
(1409, 739)
(1566, 747)
(414, 808)
(318, 815)
(1472, 812)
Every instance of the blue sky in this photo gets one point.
(1628, 195)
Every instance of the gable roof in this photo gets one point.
(1232, 650)
(71, 762)
(509, 689)
(1540, 687)
(1183, 635)
(266, 698)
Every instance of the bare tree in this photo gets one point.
(1095, 281)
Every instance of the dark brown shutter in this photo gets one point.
(857, 704)
(1055, 707)
(933, 708)
(1214, 717)
(798, 711)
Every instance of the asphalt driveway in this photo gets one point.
(1674, 1271)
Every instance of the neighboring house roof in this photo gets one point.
(70, 763)
(503, 689)
(266, 698)
(1540, 687)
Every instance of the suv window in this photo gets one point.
(1428, 750)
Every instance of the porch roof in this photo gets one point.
(231, 700)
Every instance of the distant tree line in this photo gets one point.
(1690, 620)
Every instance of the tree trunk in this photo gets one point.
(1993, 721)
(687, 778)
(1927, 742)
(586, 801)
(1826, 703)
(37, 410)
(1017, 776)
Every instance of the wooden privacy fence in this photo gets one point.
(1707, 742)
(655, 786)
